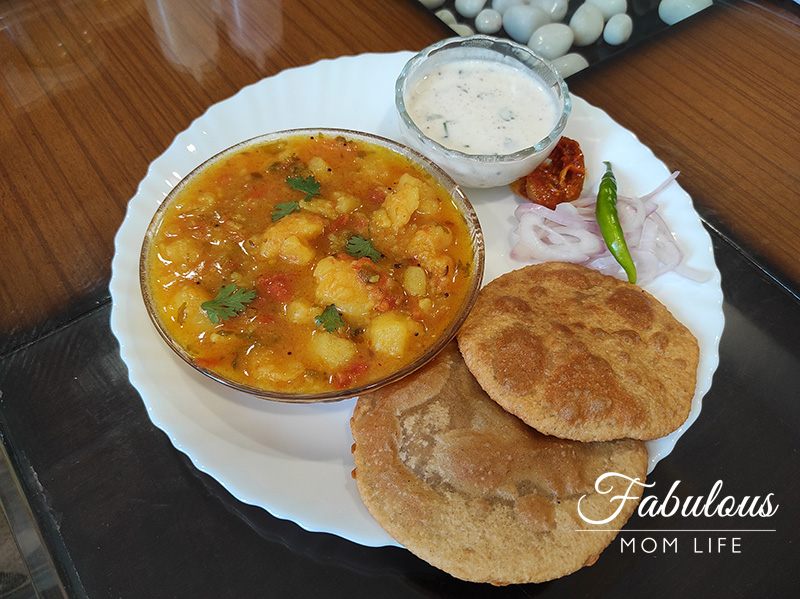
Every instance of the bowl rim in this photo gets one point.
(492, 43)
(463, 204)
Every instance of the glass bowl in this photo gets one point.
(488, 169)
(169, 318)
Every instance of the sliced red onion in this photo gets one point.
(564, 214)
(543, 240)
(570, 233)
(664, 184)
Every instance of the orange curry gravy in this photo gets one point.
(231, 225)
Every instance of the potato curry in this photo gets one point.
(308, 264)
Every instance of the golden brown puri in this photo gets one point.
(474, 491)
(581, 355)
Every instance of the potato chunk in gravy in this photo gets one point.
(309, 264)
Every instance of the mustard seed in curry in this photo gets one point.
(309, 264)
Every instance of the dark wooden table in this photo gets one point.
(92, 91)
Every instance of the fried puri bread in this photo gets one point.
(472, 490)
(581, 355)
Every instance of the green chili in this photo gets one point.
(608, 219)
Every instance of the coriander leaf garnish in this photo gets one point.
(330, 319)
(358, 247)
(307, 185)
(229, 302)
(284, 209)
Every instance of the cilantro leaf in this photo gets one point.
(330, 319)
(284, 209)
(229, 302)
(307, 185)
(358, 247)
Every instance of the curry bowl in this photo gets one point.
(311, 265)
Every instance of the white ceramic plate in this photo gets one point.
(294, 460)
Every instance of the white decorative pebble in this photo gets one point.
(502, 6)
(431, 4)
(552, 40)
(569, 64)
(469, 8)
(488, 21)
(609, 8)
(555, 9)
(462, 29)
(587, 24)
(618, 29)
(446, 16)
(521, 21)
(672, 11)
